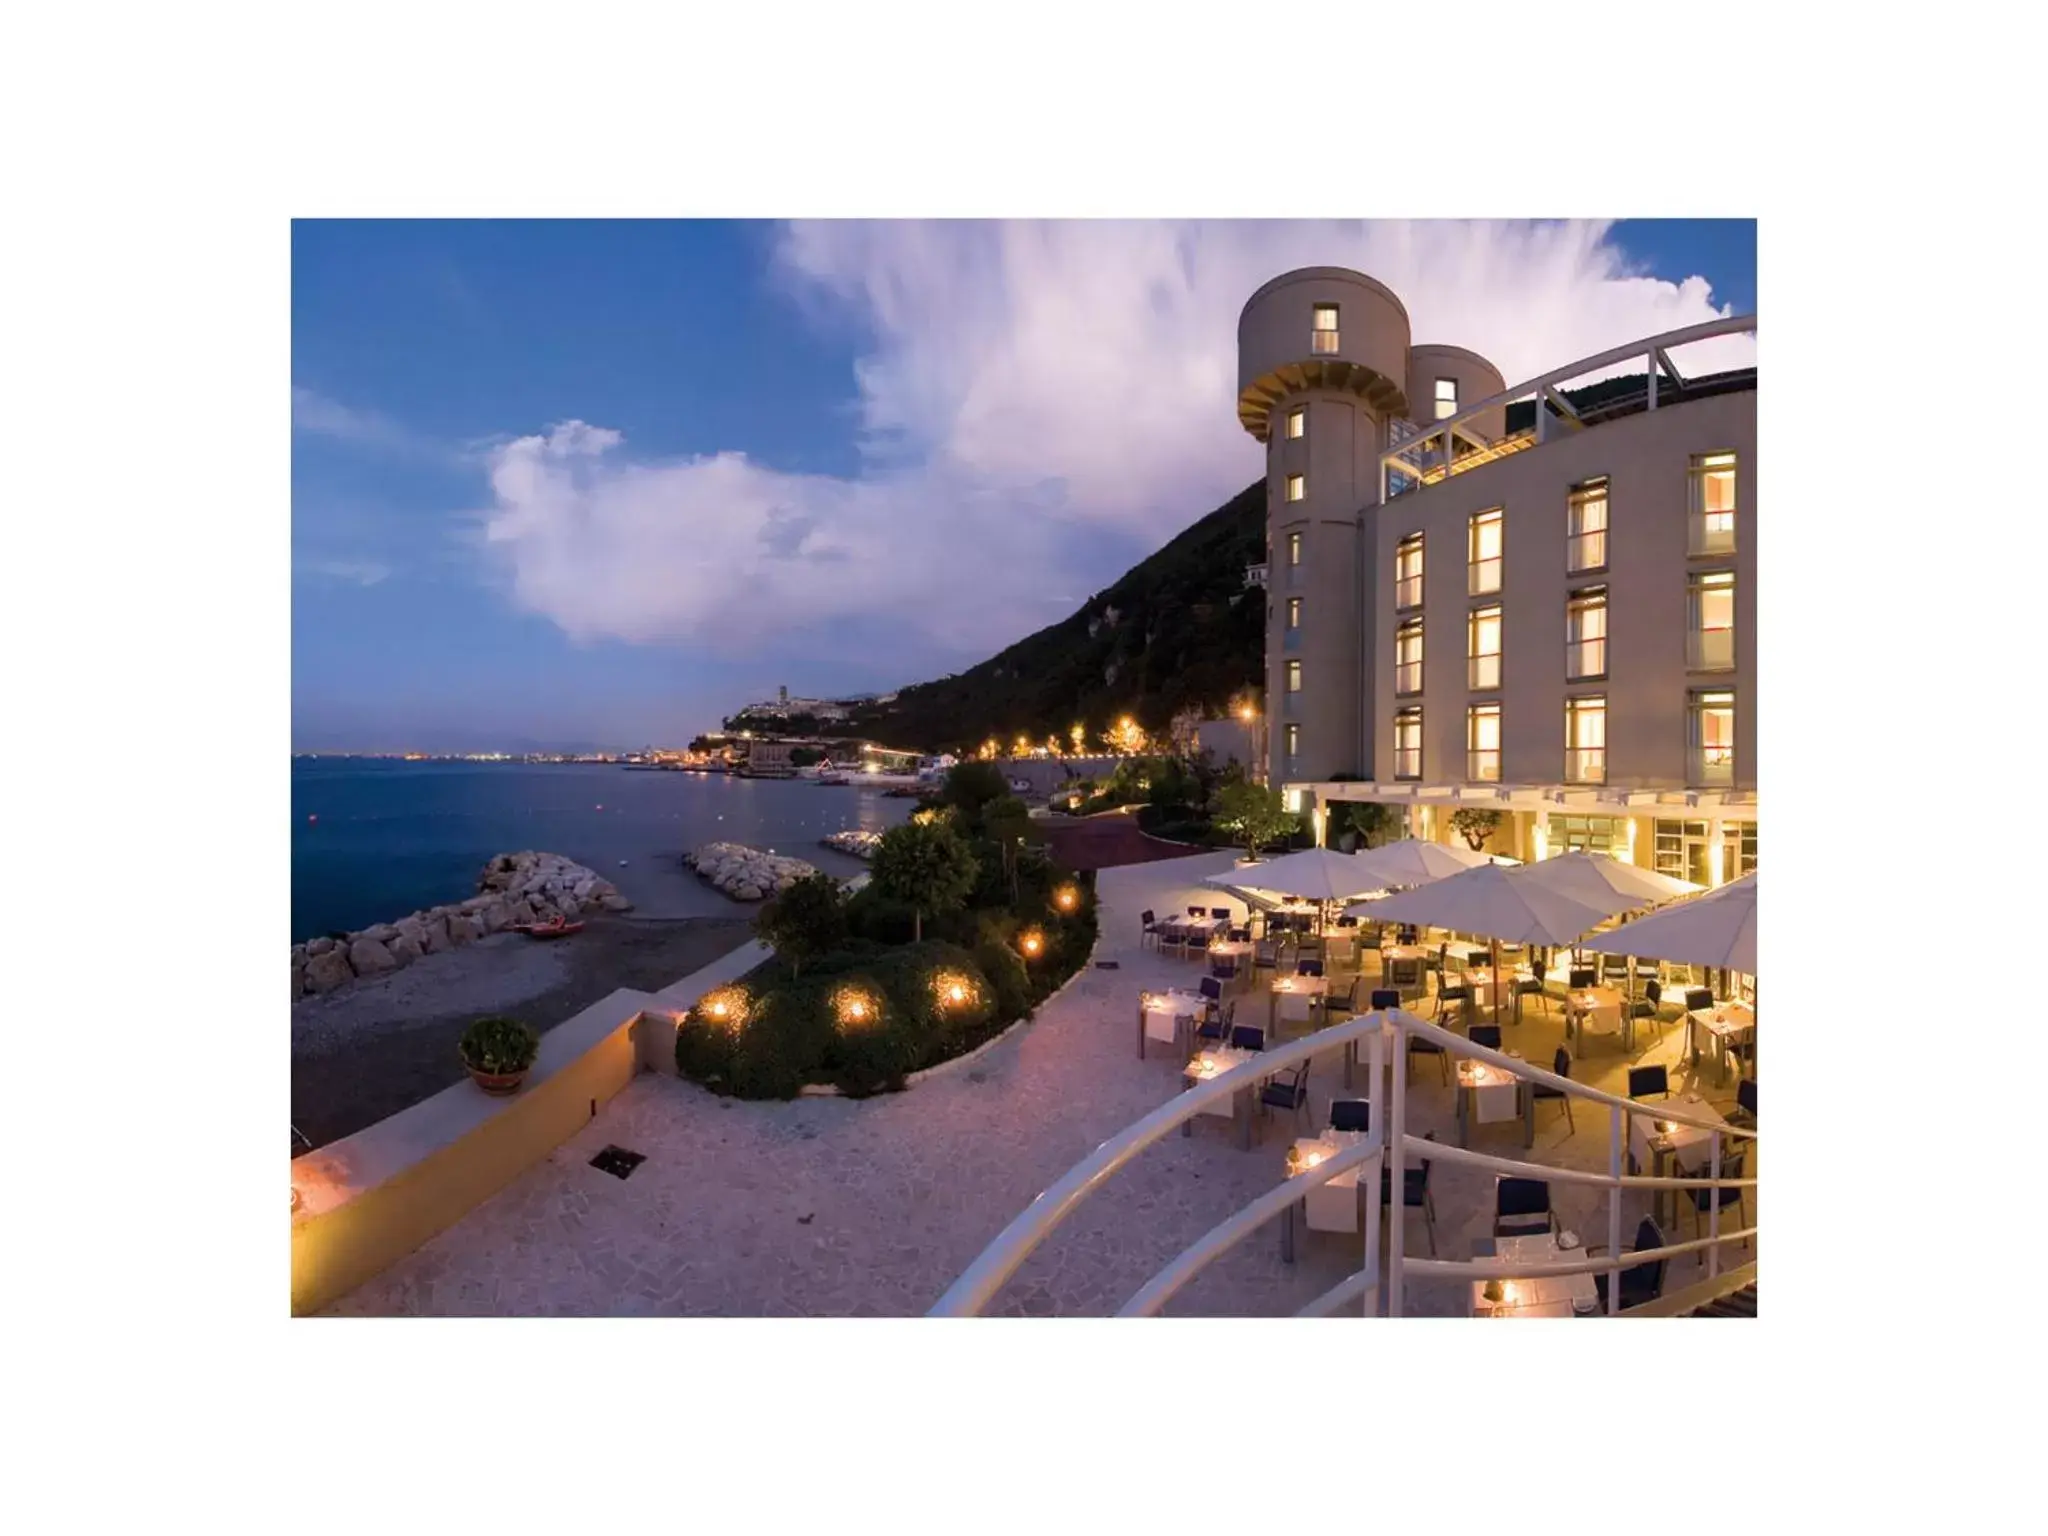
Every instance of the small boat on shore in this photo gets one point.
(553, 928)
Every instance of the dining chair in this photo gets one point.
(1216, 1024)
(1223, 967)
(1614, 968)
(1151, 929)
(1220, 912)
(1640, 1283)
(1697, 998)
(1247, 1037)
(1308, 967)
(1704, 1200)
(1415, 1194)
(1197, 912)
(1212, 991)
(1418, 1046)
(1645, 1081)
(1445, 996)
(1384, 998)
(1560, 1066)
(1532, 986)
(1477, 959)
(1744, 1112)
(1239, 935)
(1521, 1207)
(1350, 1115)
(1265, 957)
(1487, 1035)
(1582, 977)
(1650, 1005)
(1288, 1092)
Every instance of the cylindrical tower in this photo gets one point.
(1443, 380)
(1322, 363)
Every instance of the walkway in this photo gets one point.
(827, 1207)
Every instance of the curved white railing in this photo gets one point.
(1653, 349)
(1387, 1148)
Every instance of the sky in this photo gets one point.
(588, 483)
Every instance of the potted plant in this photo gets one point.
(499, 1053)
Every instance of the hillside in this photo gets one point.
(1178, 629)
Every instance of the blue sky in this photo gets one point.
(566, 482)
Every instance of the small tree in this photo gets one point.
(926, 867)
(970, 786)
(1254, 815)
(807, 920)
(1475, 826)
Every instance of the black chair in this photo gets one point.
(1216, 1023)
(1704, 1200)
(1614, 968)
(1240, 935)
(1582, 977)
(1487, 1035)
(1644, 1081)
(1640, 1283)
(1384, 998)
(1521, 1208)
(1350, 1115)
(1247, 1037)
(1222, 912)
(1415, 1194)
(1477, 959)
(1698, 997)
(1648, 1005)
(1196, 912)
(1265, 956)
(1744, 1112)
(1308, 967)
(1407, 933)
(1445, 996)
(1346, 1003)
(1290, 1092)
(1223, 967)
(1212, 989)
(1347, 921)
(1151, 921)
(1417, 1046)
(1561, 1066)
(1532, 987)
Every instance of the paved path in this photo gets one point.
(835, 1207)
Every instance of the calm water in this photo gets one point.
(374, 840)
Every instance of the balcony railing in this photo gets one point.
(1711, 533)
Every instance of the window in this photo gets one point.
(1712, 530)
(1711, 736)
(1446, 398)
(1586, 543)
(1710, 622)
(1483, 557)
(1586, 834)
(1585, 634)
(1585, 740)
(1408, 744)
(1482, 648)
(1482, 743)
(1681, 851)
(1293, 742)
(1294, 549)
(1294, 613)
(1294, 677)
(1738, 843)
(1297, 487)
(1408, 572)
(1297, 421)
(1325, 337)
(1408, 657)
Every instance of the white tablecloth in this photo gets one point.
(1493, 1092)
(1332, 1206)
(1691, 1149)
(1165, 1007)
(1225, 1058)
(1599, 1009)
(1549, 1296)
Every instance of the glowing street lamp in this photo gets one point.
(1032, 943)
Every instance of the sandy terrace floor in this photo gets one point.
(826, 1207)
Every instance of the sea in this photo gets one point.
(374, 839)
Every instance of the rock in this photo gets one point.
(320, 947)
(412, 931)
(436, 930)
(747, 891)
(405, 949)
(298, 979)
(380, 933)
(615, 903)
(327, 970)
(570, 908)
(463, 929)
(495, 916)
(369, 957)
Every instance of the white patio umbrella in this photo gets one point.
(1598, 881)
(1410, 861)
(1496, 901)
(1717, 930)
(1310, 874)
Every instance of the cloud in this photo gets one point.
(1032, 398)
(321, 416)
(363, 573)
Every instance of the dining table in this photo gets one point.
(1332, 1206)
(1722, 1023)
(1660, 1144)
(1494, 985)
(1487, 1094)
(1602, 1009)
(1536, 1295)
(1239, 950)
(1210, 1065)
(1161, 1014)
(1315, 988)
(1191, 934)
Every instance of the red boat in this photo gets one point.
(553, 928)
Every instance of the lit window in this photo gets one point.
(1294, 677)
(1483, 558)
(1712, 732)
(1585, 740)
(1446, 398)
(1586, 546)
(1408, 744)
(1325, 337)
(1482, 648)
(1408, 657)
(1710, 627)
(1585, 634)
(1408, 572)
(1297, 487)
(1712, 529)
(1297, 422)
(1293, 741)
(1294, 613)
(1294, 549)
(1482, 743)
(1738, 840)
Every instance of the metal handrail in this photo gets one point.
(1391, 459)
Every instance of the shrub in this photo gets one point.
(784, 1042)
(880, 919)
(807, 920)
(500, 1045)
(925, 866)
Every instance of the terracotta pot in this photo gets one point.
(500, 1085)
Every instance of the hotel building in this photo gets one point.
(1536, 600)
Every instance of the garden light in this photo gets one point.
(1031, 944)
(1066, 898)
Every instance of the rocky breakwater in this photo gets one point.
(746, 874)
(514, 888)
(854, 841)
